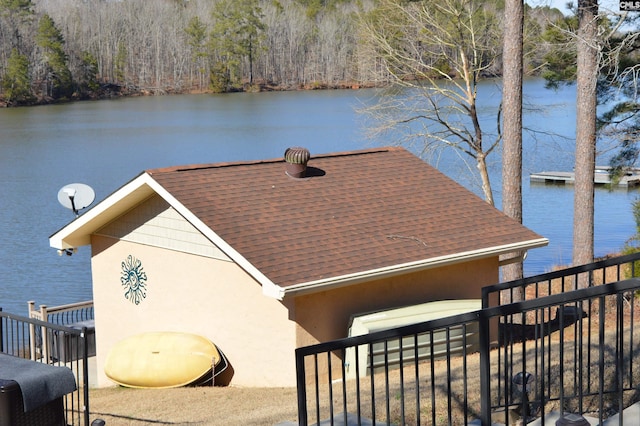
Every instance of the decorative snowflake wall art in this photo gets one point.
(134, 280)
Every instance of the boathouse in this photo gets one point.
(262, 257)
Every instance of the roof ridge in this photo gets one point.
(207, 166)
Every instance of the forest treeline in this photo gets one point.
(56, 50)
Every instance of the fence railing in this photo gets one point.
(601, 272)
(62, 314)
(572, 352)
(75, 315)
(65, 346)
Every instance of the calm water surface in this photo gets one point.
(107, 143)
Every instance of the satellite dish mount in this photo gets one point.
(76, 196)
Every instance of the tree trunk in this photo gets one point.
(481, 161)
(586, 102)
(512, 128)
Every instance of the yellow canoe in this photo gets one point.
(161, 360)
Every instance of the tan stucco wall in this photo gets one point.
(325, 315)
(190, 293)
(258, 334)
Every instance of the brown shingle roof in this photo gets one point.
(359, 211)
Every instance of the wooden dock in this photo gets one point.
(601, 177)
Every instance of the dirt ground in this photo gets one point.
(193, 406)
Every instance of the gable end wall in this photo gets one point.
(155, 223)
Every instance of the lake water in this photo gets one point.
(107, 143)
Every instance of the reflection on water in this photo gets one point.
(107, 143)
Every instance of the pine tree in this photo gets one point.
(16, 81)
(236, 35)
(197, 36)
(88, 79)
(120, 63)
(58, 76)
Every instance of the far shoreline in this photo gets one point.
(109, 91)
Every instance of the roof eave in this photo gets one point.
(335, 282)
(78, 232)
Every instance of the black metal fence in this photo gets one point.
(548, 355)
(66, 347)
(601, 272)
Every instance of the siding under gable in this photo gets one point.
(155, 223)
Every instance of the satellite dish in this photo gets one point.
(76, 196)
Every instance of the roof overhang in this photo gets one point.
(280, 293)
(78, 233)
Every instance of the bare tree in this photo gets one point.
(436, 52)
(143, 46)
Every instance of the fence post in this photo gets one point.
(484, 335)
(85, 374)
(1, 333)
(32, 332)
(301, 378)
(45, 335)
